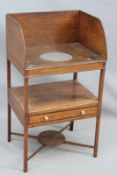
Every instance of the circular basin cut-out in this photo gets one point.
(56, 56)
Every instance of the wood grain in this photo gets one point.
(54, 97)
(74, 32)
(62, 116)
(43, 28)
(91, 34)
(80, 56)
(15, 42)
(28, 35)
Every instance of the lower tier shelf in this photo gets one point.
(54, 102)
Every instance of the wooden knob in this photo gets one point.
(46, 117)
(82, 112)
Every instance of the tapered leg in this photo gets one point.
(26, 124)
(9, 107)
(71, 126)
(25, 149)
(96, 136)
(100, 94)
(9, 123)
(75, 75)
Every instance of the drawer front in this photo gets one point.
(63, 116)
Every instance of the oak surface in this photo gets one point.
(74, 32)
(80, 55)
(28, 35)
(53, 97)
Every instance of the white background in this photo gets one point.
(65, 159)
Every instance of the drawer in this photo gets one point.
(68, 115)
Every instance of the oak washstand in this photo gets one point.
(35, 43)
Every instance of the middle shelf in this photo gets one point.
(52, 97)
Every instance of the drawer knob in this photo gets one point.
(46, 117)
(82, 112)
